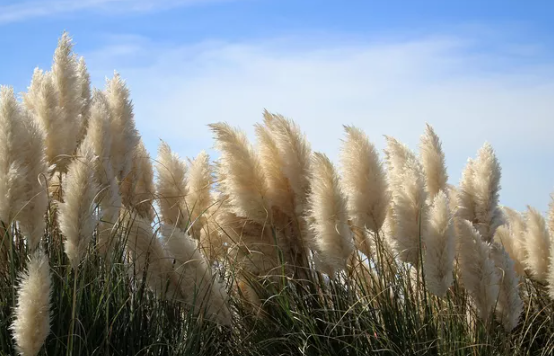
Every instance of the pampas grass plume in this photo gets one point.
(194, 274)
(171, 187)
(244, 182)
(333, 238)
(68, 86)
(294, 152)
(478, 273)
(433, 162)
(510, 305)
(198, 200)
(440, 247)
(364, 181)
(76, 214)
(31, 325)
(537, 244)
(124, 134)
(479, 193)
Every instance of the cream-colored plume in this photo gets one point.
(328, 213)
(149, 257)
(98, 140)
(294, 152)
(479, 190)
(504, 237)
(440, 247)
(510, 305)
(138, 189)
(198, 199)
(433, 162)
(244, 182)
(76, 213)
(31, 217)
(516, 225)
(42, 100)
(194, 275)
(31, 324)
(537, 244)
(67, 83)
(171, 187)
(409, 197)
(279, 190)
(478, 272)
(365, 185)
(85, 90)
(125, 137)
(22, 169)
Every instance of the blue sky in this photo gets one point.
(476, 70)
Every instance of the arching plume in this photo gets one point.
(327, 210)
(433, 162)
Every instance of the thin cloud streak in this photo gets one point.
(27, 10)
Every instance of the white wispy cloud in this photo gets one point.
(27, 10)
(470, 96)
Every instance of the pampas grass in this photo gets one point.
(171, 187)
(65, 77)
(76, 214)
(440, 247)
(124, 134)
(409, 206)
(365, 185)
(479, 192)
(268, 249)
(537, 244)
(510, 305)
(198, 200)
(31, 325)
(333, 239)
(23, 171)
(196, 283)
(478, 271)
(433, 162)
(244, 181)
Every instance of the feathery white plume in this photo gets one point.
(85, 91)
(365, 185)
(138, 189)
(440, 247)
(479, 189)
(76, 213)
(149, 257)
(98, 141)
(31, 325)
(477, 268)
(66, 80)
(42, 100)
(171, 187)
(537, 244)
(333, 238)
(409, 204)
(279, 190)
(22, 169)
(364, 180)
(504, 237)
(244, 181)
(194, 276)
(433, 162)
(198, 200)
(295, 154)
(125, 137)
(509, 306)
